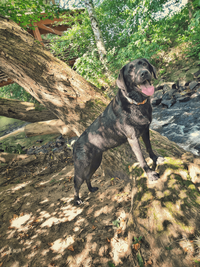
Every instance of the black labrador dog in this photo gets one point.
(127, 117)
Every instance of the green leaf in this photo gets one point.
(140, 260)
(116, 223)
(169, 248)
(110, 264)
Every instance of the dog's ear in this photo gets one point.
(120, 80)
(152, 68)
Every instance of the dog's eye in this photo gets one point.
(144, 64)
(131, 66)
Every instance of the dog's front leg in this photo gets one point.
(135, 145)
(156, 159)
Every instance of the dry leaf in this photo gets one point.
(71, 248)
(149, 262)
(136, 246)
(93, 227)
(108, 240)
(119, 230)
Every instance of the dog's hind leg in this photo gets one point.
(93, 167)
(77, 184)
(84, 173)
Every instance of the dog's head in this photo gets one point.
(137, 75)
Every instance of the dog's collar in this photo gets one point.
(132, 101)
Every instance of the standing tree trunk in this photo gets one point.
(190, 8)
(95, 27)
(65, 93)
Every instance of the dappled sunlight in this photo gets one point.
(59, 245)
(107, 209)
(51, 221)
(44, 201)
(18, 222)
(119, 248)
(70, 212)
(20, 186)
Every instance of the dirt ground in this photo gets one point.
(40, 226)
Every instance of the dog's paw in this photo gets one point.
(78, 202)
(160, 160)
(153, 176)
(93, 189)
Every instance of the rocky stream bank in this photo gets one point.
(176, 113)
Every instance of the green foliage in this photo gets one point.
(110, 264)
(18, 149)
(76, 40)
(130, 28)
(116, 223)
(15, 91)
(140, 260)
(194, 29)
(26, 12)
(137, 240)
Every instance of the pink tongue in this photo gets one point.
(147, 90)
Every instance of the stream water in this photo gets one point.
(180, 123)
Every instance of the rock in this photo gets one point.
(197, 74)
(160, 87)
(166, 88)
(168, 103)
(181, 83)
(174, 86)
(193, 84)
(157, 98)
(181, 88)
(60, 141)
(166, 96)
(183, 98)
(169, 94)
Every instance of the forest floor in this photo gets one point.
(40, 226)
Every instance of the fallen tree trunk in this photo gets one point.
(49, 80)
(8, 157)
(24, 111)
(48, 127)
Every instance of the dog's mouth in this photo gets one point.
(146, 88)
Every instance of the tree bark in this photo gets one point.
(49, 80)
(96, 29)
(190, 8)
(24, 111)
(48, 127)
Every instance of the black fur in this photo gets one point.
(122, 120)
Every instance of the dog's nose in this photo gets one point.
(144, 73)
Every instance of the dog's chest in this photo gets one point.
(140, 115)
